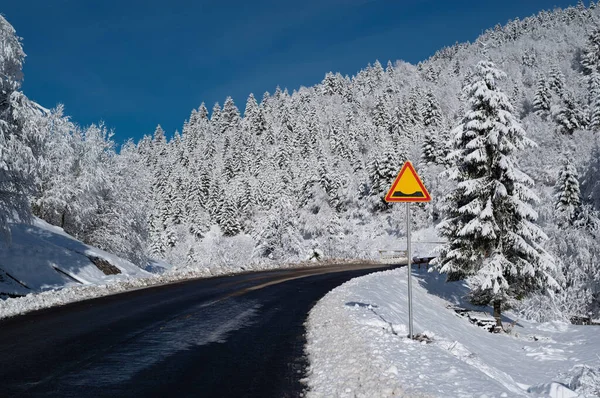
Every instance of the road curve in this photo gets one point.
(236, 336)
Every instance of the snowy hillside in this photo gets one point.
(41, 257)
(305, 171)
(358, 346)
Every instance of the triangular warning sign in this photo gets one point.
(407, 187)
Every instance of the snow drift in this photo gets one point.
(358, 346)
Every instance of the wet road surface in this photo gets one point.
(236, 336)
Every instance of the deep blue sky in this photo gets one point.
(135, 64)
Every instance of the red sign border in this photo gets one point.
(407, 165)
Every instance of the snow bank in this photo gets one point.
(42, 257)
(357, 346)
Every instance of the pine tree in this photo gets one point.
(332, 84)
(377, 71)
(156, 241)
(389, 69)
(215, 118)
(590, 185)
(356, 159)
(429, 151)
(570, 116)
(159, 143)
(230, 116)
(414, 108)
(556, 82)
(594, 115)
(381, 117)
(541, 101)
(171, 238)
(203, 112)
(591, 53)
(444, 146)
(456, 68)
(400, 124)
(588, 219)
(230, 168)
(176, 192)
(488, 221)
(229, 218)
(432, 115)
(251, 116)
(567, 194)
(214, 200)
(383, 168)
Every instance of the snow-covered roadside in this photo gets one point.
(48, 268)
(357, 346)
(52, 298)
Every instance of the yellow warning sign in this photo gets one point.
(407, 187)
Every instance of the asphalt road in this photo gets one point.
(237, 336)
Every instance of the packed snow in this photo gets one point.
(357, 345)
(40, 257)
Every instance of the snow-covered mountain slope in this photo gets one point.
(358, 346)
(41, 257)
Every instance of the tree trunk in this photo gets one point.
(498, 315)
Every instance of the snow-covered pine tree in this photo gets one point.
(570, 116)
(541, 101)
(381, 117)
(429, 151)
(215, 198)
(590, 60)
(383, 168)
(489, 224)
(229, 217)
(156, 241)
(332, 84)
(377, 71)
(432, 115)
(567, 193)
(556, 81)
(590, 187)
(456, 68)
(415, 107)
(159, 145)
(251, 115)
(215, 118)
(400, 124)
(594, 100)
(444, 142)
(203, 112)
(389, 69)
(230, 116)
(588, 219)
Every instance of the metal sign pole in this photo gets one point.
(408, 187)
(409, 255)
